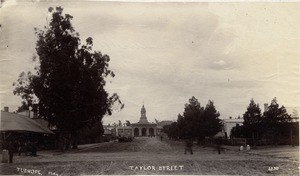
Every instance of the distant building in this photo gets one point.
(164, 123)
(110, 128)
(124, 131)
(228, 124)
(141, 128)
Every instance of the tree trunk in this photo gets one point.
(292, 135)
(253, 139)
(68, 140)
(61, 141)
(273, 139)
(198, 141)
(75, 139)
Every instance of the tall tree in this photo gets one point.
(252, 120)
(196, 122)
(70, 79)
(276, 114)
(171, 130)
(274, 118)
(192, 117)
(253, 114)
(180, 126)
(211, 122)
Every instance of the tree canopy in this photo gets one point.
(196, 121)
(269, 125)
(253, 114)
(252, 124)
(69, 82)
(276, 114)
(211, 119)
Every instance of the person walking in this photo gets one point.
(188, 146)
(219, 145)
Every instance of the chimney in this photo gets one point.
(266, 107)
(6, 108)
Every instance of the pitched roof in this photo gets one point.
(16, 122)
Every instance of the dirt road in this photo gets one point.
(152, 156)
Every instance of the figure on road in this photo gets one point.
(188, 146)
(34, 149)
(219, 145)
(11, 148)
(20, 147)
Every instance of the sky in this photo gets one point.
(165, 53)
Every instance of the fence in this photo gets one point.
(252, 141)
(264, 141)
(238, 141)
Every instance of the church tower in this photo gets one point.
(143, 118)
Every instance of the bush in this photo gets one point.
(125, 139)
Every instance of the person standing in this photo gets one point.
(34, 148)
(10, 151)
(20, 147)
(26, 148)
(29, 147)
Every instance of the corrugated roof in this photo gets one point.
(16, 122)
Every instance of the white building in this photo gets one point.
(228, 124)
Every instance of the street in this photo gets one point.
(152, 156)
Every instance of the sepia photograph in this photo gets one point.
(94, 87)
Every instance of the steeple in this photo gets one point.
(143, 118)
(143, 112)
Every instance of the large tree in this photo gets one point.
(200, 122)
(180, 126)
(276, 114)
(192, 118)
(274, 119)
(253, 114)
(211, 122)
(69, 81)
(196, 121)
(252, 120)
